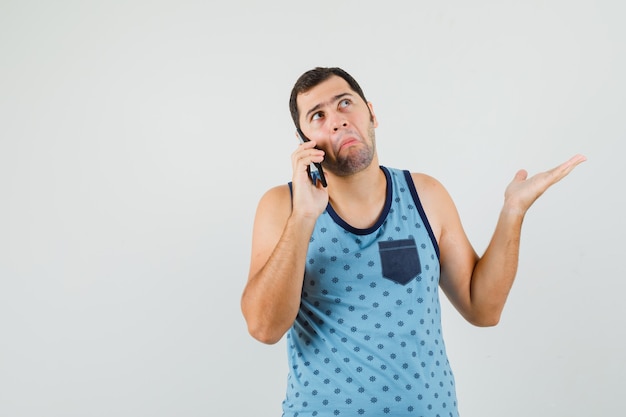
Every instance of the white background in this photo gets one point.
(136, 138)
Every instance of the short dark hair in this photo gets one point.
(316, 76)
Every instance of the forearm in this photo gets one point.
(495, 271)
(479, 286)
(271, 299)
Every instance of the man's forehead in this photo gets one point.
(322, 92)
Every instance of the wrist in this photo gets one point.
(304, 219)
(513, 211)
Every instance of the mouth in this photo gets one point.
(347, 142)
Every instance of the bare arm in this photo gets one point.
(282, 229)
(479, 287)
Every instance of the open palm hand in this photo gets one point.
(522, 192)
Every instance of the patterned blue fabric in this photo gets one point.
(367, 340)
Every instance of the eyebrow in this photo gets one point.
(333, 100)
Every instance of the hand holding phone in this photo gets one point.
(314, 170)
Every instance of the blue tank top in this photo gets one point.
(367, 339)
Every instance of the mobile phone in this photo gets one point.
(315, 169)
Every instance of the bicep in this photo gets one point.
(457, 256)
(458, 259)
(271, 216)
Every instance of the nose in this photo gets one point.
(338, 122)
(336, 128)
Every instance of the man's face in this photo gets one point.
(341, 124)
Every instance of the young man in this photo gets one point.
(351, 271)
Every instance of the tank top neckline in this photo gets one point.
(381, 219)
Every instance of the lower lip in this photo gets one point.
(349, 143)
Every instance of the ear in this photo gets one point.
(374, 119)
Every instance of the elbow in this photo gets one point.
(264, 334)
(265, 326)
(485, 320)
(261, 329)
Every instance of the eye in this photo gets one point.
(317, 116)
(345, 103)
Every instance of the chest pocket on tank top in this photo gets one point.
(399, 259)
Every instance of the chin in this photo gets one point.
(352, 165)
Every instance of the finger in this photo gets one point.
(572, 162)
(307, 145)
(521, 175)
(307, 152)
(575, 161)
(304, 159)
(566, 167)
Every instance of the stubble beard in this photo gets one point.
(355, 160)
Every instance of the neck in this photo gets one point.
(359, 198)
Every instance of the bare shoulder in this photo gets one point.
(277, 194)
(425, 182)
(435, 199)
(272, 213)
(275, 204)
(429, 189)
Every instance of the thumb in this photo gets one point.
(521, 175)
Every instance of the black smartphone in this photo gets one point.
(315, 170)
